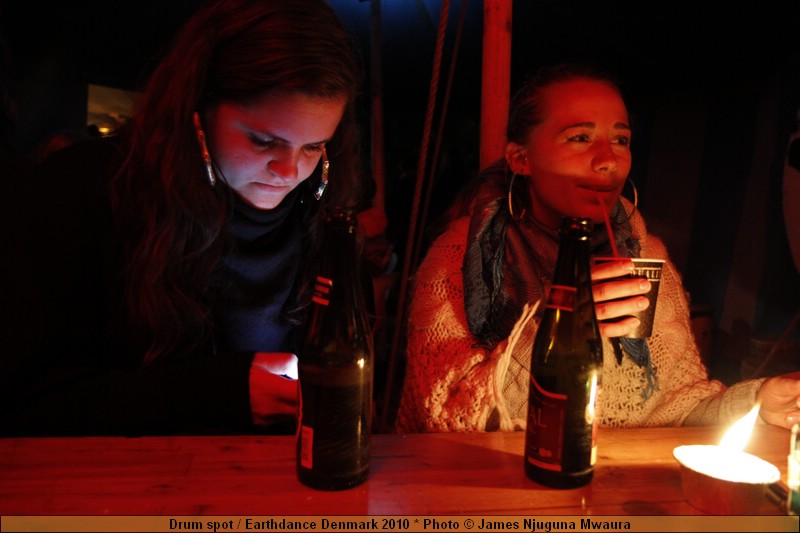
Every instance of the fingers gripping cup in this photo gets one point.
(650, 269)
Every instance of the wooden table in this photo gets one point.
(433, 474)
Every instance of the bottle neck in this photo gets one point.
(572, 265)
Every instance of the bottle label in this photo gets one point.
(561, 297)
(322, 291)
(551, 433)
(545, 433)
(335, 419)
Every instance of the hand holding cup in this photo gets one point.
(625, 293)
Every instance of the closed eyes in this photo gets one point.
(262, 142)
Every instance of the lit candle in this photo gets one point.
(722, 478)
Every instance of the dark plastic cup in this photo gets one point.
(650, 269)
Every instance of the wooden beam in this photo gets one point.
(495, 79)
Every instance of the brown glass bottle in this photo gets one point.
(336, 367)
(566, 371)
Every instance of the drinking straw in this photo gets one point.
(608, 224)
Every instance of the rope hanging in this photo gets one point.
(437, 146)
(410, 258)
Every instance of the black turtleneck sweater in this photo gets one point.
(258, 277)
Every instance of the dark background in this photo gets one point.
(713, 92)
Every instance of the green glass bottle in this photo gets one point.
(566, 371)
(335, 367)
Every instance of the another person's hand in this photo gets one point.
(617, 298)
(273, 387)
(780, 400)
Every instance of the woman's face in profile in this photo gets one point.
(581, 150)
(266, 148)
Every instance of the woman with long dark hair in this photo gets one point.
(173, 254)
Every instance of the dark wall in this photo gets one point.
(56, 48)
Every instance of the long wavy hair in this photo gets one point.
(171, 220)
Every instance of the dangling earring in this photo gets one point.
(323, 182)
(635, 201)
(201, 139)
(510, 195)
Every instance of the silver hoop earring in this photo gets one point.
(510, 198)
(635, 201)
(201, 139)
(323, 181)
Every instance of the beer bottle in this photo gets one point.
(566, 370)
(335, 366)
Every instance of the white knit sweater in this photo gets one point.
(452, 385)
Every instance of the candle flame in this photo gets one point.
(739, 433)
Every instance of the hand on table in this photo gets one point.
(780, 400)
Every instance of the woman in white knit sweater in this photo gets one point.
(474, 313)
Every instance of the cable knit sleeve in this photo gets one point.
(449, 383)
(727, 407)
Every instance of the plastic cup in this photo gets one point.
(650, 269)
